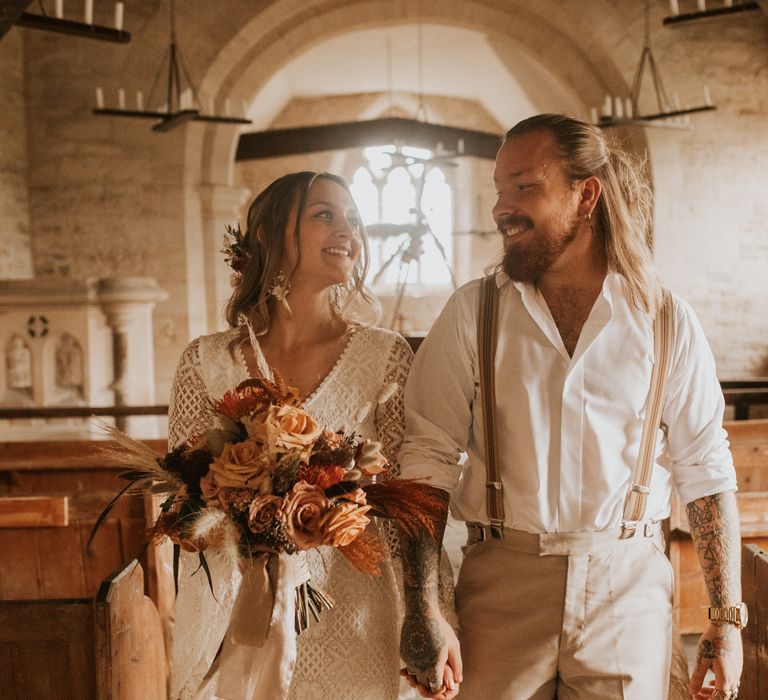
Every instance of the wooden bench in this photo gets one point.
(50, 496)
(754, 581)
(107, 648)
(749, 445)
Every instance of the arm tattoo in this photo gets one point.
(714, 522)
(421, 637)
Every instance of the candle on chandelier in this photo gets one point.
(674, 8)
(211, 106)
(89, 11)
(618, 107)
(226, 106)
(702, 5)
(628, 110)
(608, 107)
(140, 100)
(728, 3)
(707, 96)
(119, 16)
(99, 98)
(593, 115)
(121, 98)
(460, 146)
(59, 9)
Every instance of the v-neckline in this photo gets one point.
(262, 364)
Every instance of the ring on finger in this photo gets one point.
(434, 686)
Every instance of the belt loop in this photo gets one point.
(649, 530)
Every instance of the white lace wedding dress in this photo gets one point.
(353, 651)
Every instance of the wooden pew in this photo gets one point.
(50, 496)
(754, 581)
(749, 445)
(107, 648)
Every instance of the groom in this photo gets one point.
(560, 599)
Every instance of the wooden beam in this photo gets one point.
(34, 511)
(10, 11)
(376, 132)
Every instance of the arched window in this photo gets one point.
(408, 242)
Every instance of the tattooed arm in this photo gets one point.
(428, 644)
(714, 522)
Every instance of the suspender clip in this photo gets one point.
(639, 488)
(628, 528)
(497, 529)
(493, 485)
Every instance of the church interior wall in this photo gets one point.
(90, 196)
(15, 248)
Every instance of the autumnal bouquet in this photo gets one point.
(267, 479)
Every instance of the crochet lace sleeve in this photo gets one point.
(390, 416)
(190, 412)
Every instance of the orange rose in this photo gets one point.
(243, 465)
(284, 428)
(342, 524)
(302, 511)
(370, 460)
(263, 510)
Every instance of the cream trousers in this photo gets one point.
(567, 616)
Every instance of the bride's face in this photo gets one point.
(330, 237)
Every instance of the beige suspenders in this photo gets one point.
(637, 495)
(663, 342)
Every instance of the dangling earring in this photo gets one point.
(338, 292)
(280, 288)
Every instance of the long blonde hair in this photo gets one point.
(264, 243)
(623, 215)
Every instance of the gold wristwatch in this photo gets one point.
(736, 615)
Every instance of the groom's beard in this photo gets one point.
(527, 261)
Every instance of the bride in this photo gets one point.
(299, 307)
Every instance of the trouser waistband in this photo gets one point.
(559, 543)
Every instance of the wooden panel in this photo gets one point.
(20, 575)
(756, 429)
(691, 599)
(754, 679)
(34, 511)
(134, 667)
(47, 650)
(61, 454)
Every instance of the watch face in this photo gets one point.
(744, 614)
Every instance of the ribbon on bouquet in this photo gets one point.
(258, 653)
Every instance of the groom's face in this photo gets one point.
(536, 206)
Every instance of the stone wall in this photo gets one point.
(15, 254)
(111, 197)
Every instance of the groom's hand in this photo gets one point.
(430, 650)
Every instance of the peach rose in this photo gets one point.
(284, 428)
(302, 511)
(263, 510)
(370, 460)
(243, 465)
(343, 523)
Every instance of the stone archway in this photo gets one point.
(539, 44)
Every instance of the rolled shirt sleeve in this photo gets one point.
(698, 451)
(439, 396)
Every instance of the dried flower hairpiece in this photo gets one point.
(235, 249)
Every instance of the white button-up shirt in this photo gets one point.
(569, 428)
